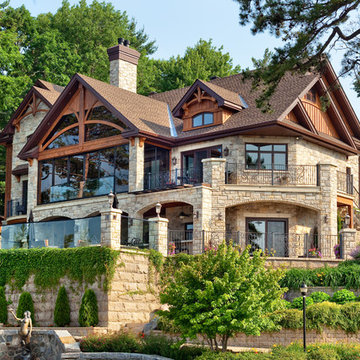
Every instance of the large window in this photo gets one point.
(266, 156)
(85, 175)
(202, 119)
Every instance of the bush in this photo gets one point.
(3, 306)
(321, 353)
(343, 296)
(158, 345)
(319, 297)
(291, 352)
(62, 308)
(350, 317)
(324, 314)
(298, 302)
(121, 342)
(88, 313)
(25, 304)
(291, 319)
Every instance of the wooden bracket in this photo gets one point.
(132, 141)
(142, 141)
(30, 161)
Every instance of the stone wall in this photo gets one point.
(131, 299)
(292, 294)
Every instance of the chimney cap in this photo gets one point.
(126, 43)
(122, 52)
(120, 41)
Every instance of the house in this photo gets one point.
(219, 166)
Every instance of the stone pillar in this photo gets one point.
(349, 241)
(214, 171)
(111, 228)
(327, 222)
(158, 235)
(33, 185)
(136, 164)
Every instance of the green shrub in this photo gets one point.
(88, 313)
(323, 314)
(291, 352)
(343, 296)
(350, 317)
(121, 342)
(189, 352)
(25, 304)
(319, 297)
(346, 351)
(158, 345)
(291, 319)
(3, 306)
(298, 302)
(321, 353)
(62, 308)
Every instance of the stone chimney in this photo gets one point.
(123, 65)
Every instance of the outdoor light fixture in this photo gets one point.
(226, 151)
(182, 215)
(111, 197)
(326, 219)
(219, 216)
(347, 221)
(174, 160)
(158, 209)
(303, 290)
(196, 214)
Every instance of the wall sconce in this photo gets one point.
(226, 151)
(219, 216)
(158, 209)
(174, 160)
(347, 221)
(182, 215)
(196, 214)
(131, 222)
(111, 197)
(326, 219)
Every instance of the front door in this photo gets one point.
(269, 235)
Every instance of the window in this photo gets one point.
(311, 96)
(266, 156)
(203, 119)
(85, 175)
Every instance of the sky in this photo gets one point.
(177, 24)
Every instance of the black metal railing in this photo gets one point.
(356, 197)
(134, 232)
(161, 180)
(181, 241)
(15, 207)
(345, 182)
(275, 175)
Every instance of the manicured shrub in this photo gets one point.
(121, 342)
(319, 297)
(291, 319)
(62, 308)
(3, 306)
(298, 302)
(350, 317)
(321, 353)
(25, 304)
(324, 314)
(343, 296)
(88, 313)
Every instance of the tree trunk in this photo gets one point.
(224, 342)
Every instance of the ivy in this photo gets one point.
(83, 265)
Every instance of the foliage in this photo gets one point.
(323, 314)
(83, 265)
(308, 29)
(156, 259)
(343, 296)
(350, 317)
(319, 296)
(3, 306)
(62, 308)
(25, 304)
(298, 302)
(220, 293)
(319, 353)
(346, 275)
(88, 312)
(355, 253)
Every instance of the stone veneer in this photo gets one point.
(123, 75)
(131, 299)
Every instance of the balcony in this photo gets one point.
(276, 175)
(345, 182)
(163, 180)
(15, 207)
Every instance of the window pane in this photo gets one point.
(256, 234)
(252, 147)
(107, 171)
(197, 120)
(46, 181)
(265, 161)
(76, 176)
(70, 137)
(216, 152)
(208, 118)
(122, 169)
(251, 160)
(92, 165)
(99, 131)
(101, 113)
(64, 122)
(265, 147)
(61, 190)
(280, 148)
(280, 161)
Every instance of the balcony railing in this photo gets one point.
(171, 179)
(281, 175)
(15, 207)
(345, 182)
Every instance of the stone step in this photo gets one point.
(70, 355)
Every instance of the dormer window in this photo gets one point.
(203, 119)
(311, 95)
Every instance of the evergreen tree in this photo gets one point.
(25, 304)
(62, 308)
(88, 313)
(3, 306)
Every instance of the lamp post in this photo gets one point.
(347, 221)
(111, 197)
(158, 209)
(303, 290)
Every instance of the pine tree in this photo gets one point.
(62, 308)
(88, 313)
(25, 304)
(3, 306)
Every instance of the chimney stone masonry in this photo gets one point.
(123, 65)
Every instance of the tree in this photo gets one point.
(309, 29)
(88, 312)
(220, 293)
(62, 308)
(3, 306)
(25, 304)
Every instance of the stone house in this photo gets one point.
(219, 166)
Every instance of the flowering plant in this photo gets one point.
(337, 251)
(315, 252)
(172, 248)
(356, 253)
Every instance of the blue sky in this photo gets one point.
(176, 24)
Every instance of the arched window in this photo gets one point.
(202, 119)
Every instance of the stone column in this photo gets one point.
(349, 241)
(111, 228)
(33, 185)
(214, 171)
(136, 164)
(158, 235)
(327, 223)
